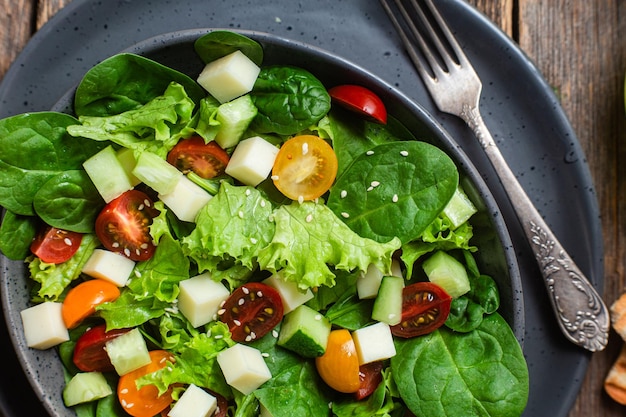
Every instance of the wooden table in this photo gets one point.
(580, 47)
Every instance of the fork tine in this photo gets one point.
(445, 29)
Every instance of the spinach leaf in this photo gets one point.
(395, 189)
(16, 234)
(467, 311)
(125, 82)
(288, 99)
(350, 312)
(220, 43)
(34, 148)
(481, 373)
(69, 201)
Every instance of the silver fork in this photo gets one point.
(455, 88)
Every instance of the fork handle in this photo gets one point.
(582, 315)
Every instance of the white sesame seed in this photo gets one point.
(345, 215)
(144, 246)
(123, 402)
(343, 194)
(274, 333)
(375, 183)
(404, 153)
(245, 290)
(147, 203)
(130, 405)
(259, 294)
(265, 354)
(240, 214)
(253, 241)
(221, 311)
(370, 188)
(137, 273)
(248, 338)
(116, 244)
(241, 301)
(391, 316)
(218, 336)
(262, 203)
(248, 192)
(309, 218)
(124, 391)
(141, 207)
(275, 177)
(67, 241)
(318, 317)
(222, 303)
(237, 322)
(300, 199)
(305, 148)
(126, 251)
(253, 335)
(137, 251)
(394, 198)
(369, 153)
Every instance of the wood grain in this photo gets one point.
(16, 28)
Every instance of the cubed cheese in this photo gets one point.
(243, 367)
(252, 160)
(109, 266)
(200, 298)
(195, 402)
(374, 343)
(128, 352)
(186, 200)
(369, 282)
(229, 77)
(290, 294)
(43, 325)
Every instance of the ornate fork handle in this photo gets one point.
(581, 313)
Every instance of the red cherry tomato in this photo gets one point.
(89, 352)
(81, 301)
(370, 376)
(305, 167)
(205, 159)
(123, 225)
(55, 246)
(146, 401)
(251, 311)
(425, 307)
(360, 100)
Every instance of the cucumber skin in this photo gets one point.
(388, 302)
(305, 331)
(85, 387)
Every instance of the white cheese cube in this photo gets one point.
(229, 77)
(290, 294)
(243, 367)
(195, 402)
(44, 326)
(186, 200)
(374, 343)
(200, 298)
(128, 352)
(109, 266)
(252, 160)
(369, 282)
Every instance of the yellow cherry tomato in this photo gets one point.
(339, 365)
(305, 167)
(81, 301)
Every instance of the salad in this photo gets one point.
(249, 242)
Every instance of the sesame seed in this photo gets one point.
(126, 251)
(130, 405)
(240, 214)
(141, 207)
(137, 273)
(222, 303)
(147, 203)
(67, 241)
(375, 183)
(274, 177)
(345, 215)
(404, 153)
(241, 301)
(245, 290)
(370, 188)
(253, 241)
(253, 335)
(237, 322)
(300, 199)
(394, 198)
(259, 294)
(262, 203)
(369, 153)
(248, 338)
(391, 316)
(318, 317)
(248, 192)
(144, 246)
(124, 391)
(221, 312)
(137, 252)
(265, 355)
(218, 336)
(305, 148)
(116, 244)
(343, 194)
(274, 333)
(309, 218)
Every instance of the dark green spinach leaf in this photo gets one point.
(16, 234)
(220, 43)
(481, 373)
(395, 189)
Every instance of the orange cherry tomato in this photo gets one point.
(360, 100)
(339, 365)
(305, 167)
(81, 301)
(146, 401)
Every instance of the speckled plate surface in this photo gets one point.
(525, 118)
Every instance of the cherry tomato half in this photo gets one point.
(146, 401)
(251, 311)
(89, 353)
(425, 307)
(205, 159)
(305, 167)
(123, 225)
(370, 375)
(339, 365)
(55, 246)
(81, 301)
(361, 100)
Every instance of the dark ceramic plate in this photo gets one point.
(524, 116)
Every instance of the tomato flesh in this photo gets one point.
(123, 225)
(146, 401)
(339, 365)
(54, 246)
(89, 353)
(360, 100)
(370, 375)
(425, 307)
(304, 168)
(208, 160)
(81, 301)
(251, 311)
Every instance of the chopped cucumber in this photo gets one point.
(107, 174)
(126, 156)
(444, 270)
(305, 331)
(459, 209)
(128, 352)
(388, 303)
(234, 117)
(156, 172)
(85, 387)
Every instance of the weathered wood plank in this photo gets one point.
(16, 27)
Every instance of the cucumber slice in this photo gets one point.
(107, 174)
(128, 352)
(305, 331)
(156, 172)
(234, 117)
(459, 209)
(85, 387)
(444, 270)
(388, 303)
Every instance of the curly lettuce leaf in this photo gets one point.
(309, 237)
